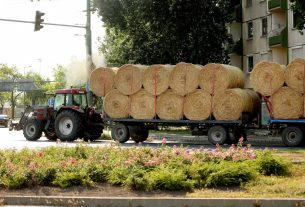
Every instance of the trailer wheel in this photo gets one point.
(217, 135)
(292, 136)
(120, 133)
(32, 130)
(68, 125)
(138, 133)
(50, 135)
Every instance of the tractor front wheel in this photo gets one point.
(68, 125)
(32, 130)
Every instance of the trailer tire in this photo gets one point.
(292, 136)
(138, 133)
(120, 133)
(32, 130)
(217, 135)
(68, 125)
(50, 135)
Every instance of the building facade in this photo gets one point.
(264, 30)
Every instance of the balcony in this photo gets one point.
(236, 48)
(277, 5)
(280, 40)
(236, 14)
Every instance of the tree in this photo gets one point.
(298, 7)
(164, 31)
(59, 75)
(37, 95)
(9, 73)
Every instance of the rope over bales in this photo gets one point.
(215, 78)
(267, 77)
(156, 78)
(184, 78)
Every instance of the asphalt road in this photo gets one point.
(15, 139)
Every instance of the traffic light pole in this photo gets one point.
(33, 22)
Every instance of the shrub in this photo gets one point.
(164, 178)
(68, 179)
(137, 180)
(229, 174)
(267, 164)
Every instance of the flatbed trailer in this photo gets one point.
(218, 131)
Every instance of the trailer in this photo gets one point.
(218, 131)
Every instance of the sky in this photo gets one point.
(41, 51)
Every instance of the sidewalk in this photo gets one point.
(147, 202)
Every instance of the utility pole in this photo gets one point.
(90, 65)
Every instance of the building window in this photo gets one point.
(264, 26)
(250, 63)
(249, 3)
(297, 52)
(295, 19)
(250, 30)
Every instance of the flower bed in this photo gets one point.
(139, 168)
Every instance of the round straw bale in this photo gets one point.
(294, 75)
(216, 78)
(142, 105)
(129, 78)
(102, 80)
(116, 105)
(197, 105)
(255, 101)
(267, 77)
(287, 104)
(170, 105)
(156, 78)
(184, 78)
(229, 104)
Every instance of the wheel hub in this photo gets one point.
(30, 130)
(217, 136)
(65, 126)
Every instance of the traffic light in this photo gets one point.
(38, 21)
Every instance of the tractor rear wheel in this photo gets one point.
(68, 125)
(32, 130)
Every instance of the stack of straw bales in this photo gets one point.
(283, 87)
(173, 92)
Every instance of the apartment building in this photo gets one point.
(264, 30)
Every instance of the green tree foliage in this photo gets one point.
(9, 73)
(164, 31)
(37, 96)
(298, 7)
(59, 75)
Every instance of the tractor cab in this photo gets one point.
(70, 98)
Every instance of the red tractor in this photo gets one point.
(68, 119)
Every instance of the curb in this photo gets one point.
(149, 202)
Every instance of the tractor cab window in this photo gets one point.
(80, 100)
(59, 101)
